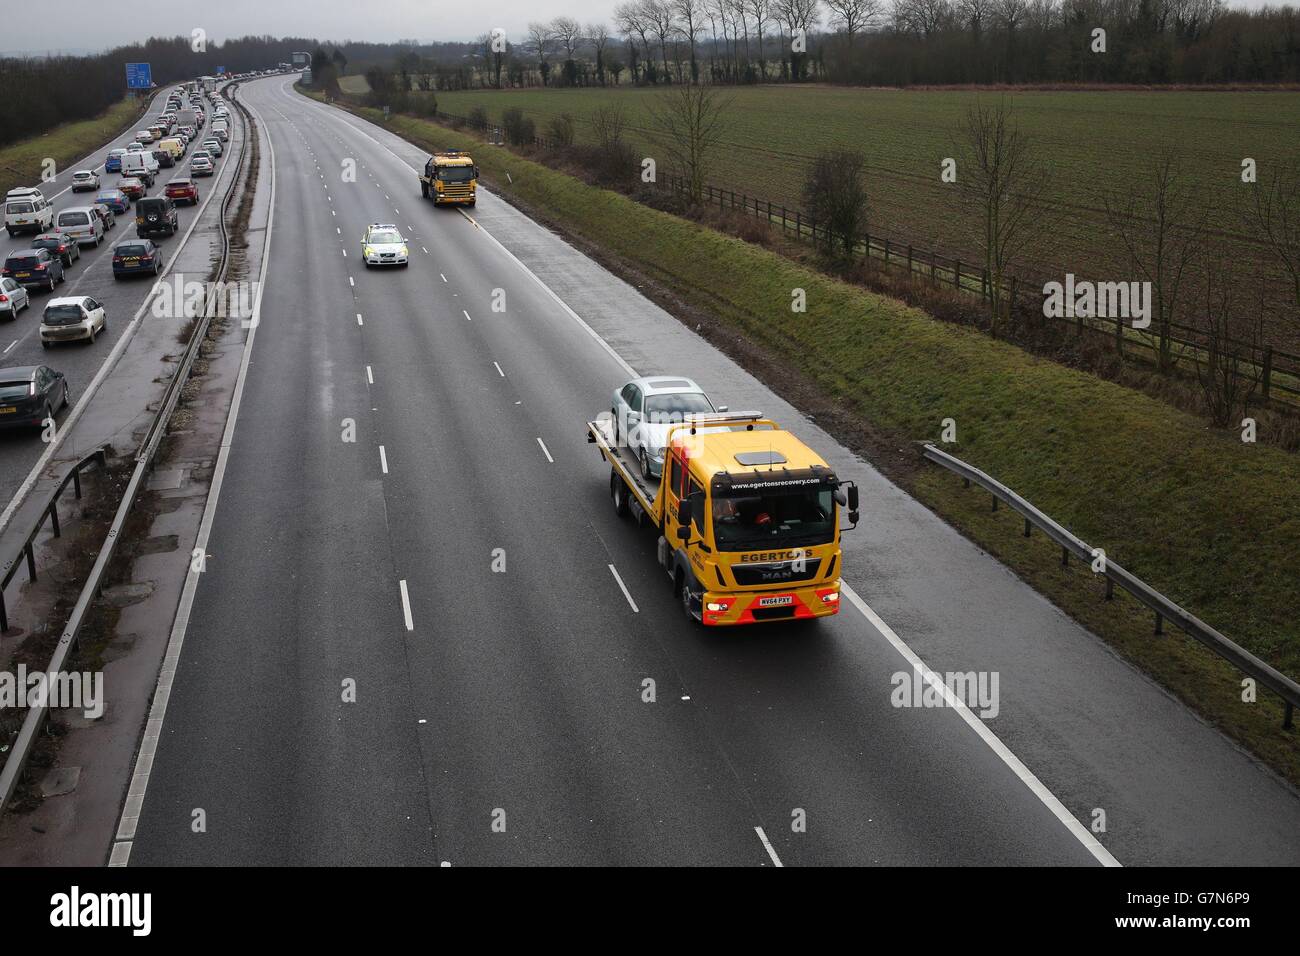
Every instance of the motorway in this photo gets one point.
(90, 275)
(499, 717)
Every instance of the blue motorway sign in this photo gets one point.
(220, 70)
(139, 76)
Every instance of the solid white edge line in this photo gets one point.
(767, 845)
(1010, 759)
(1036, 786)
(623, 587)
(130, 816)
(119, 347)
(406, 605)
(546, 451)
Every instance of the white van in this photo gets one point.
(82, 224)
(142, 165)
(27, 210)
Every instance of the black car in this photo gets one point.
(29, 394)
(165, 159)
(34, 268)
(156, 215)
(135, 257)
(68, 250)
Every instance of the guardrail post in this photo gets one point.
(886, 251)
(909, 260)
(1065, 556)
(956, 274)
(995, 502)
(1160, 623)
(1286, 720)
(54, 517)
(31, 561)
(1027, 527)
(1110, 589)
(1265, 378)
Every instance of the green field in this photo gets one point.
(1196, 513)
(1095, 141)
(21, 163)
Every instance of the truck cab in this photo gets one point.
(748, 518)
(450, 178)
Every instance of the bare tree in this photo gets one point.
(689, 14)
(568, 34)
(540, 39)
(688, 122)
(1160, 223)
(1275, 214)
(922, 17)
(1228, 367)
(1002, 181)
(632, 23)
(662, 23)
(598, 36)
(835, 195)
(853, 16)
(760, 11)
(800, 17)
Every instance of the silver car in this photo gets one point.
(13, 299)
(85, 180)
(82, 224)
(645, 409)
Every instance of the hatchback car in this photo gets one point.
(80, 223)
(182, 190)
(13, 299)
(645, 409)
(106, 215)
(33, 269)
(134, 188)
(136, 257)
(113, 164)
(115, 200)
(31, 394)
(84, 181)
(201, 165)
(56, 243)
(383, 245)
(156, 215)
(213, 146)
(72, 319)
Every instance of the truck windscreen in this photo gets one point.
(782, 517)
(456, 174)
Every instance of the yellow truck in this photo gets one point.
(748, 517)
(450, 178)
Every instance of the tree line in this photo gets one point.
(878, 42)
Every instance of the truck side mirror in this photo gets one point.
(853, 499)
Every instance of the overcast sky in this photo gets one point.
(91, 25)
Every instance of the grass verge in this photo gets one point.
(1203, 517)
(21, 163)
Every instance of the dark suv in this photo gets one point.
(156, 215)
(34, 268)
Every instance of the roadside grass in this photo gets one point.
(1210, 521)
(354, 85)
(21, 163)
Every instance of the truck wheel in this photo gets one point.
(685, 594)
(619, 491)
(424, 190)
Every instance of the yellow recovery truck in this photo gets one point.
(747, 515)
(450, 177)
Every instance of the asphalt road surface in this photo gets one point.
(499, 717)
